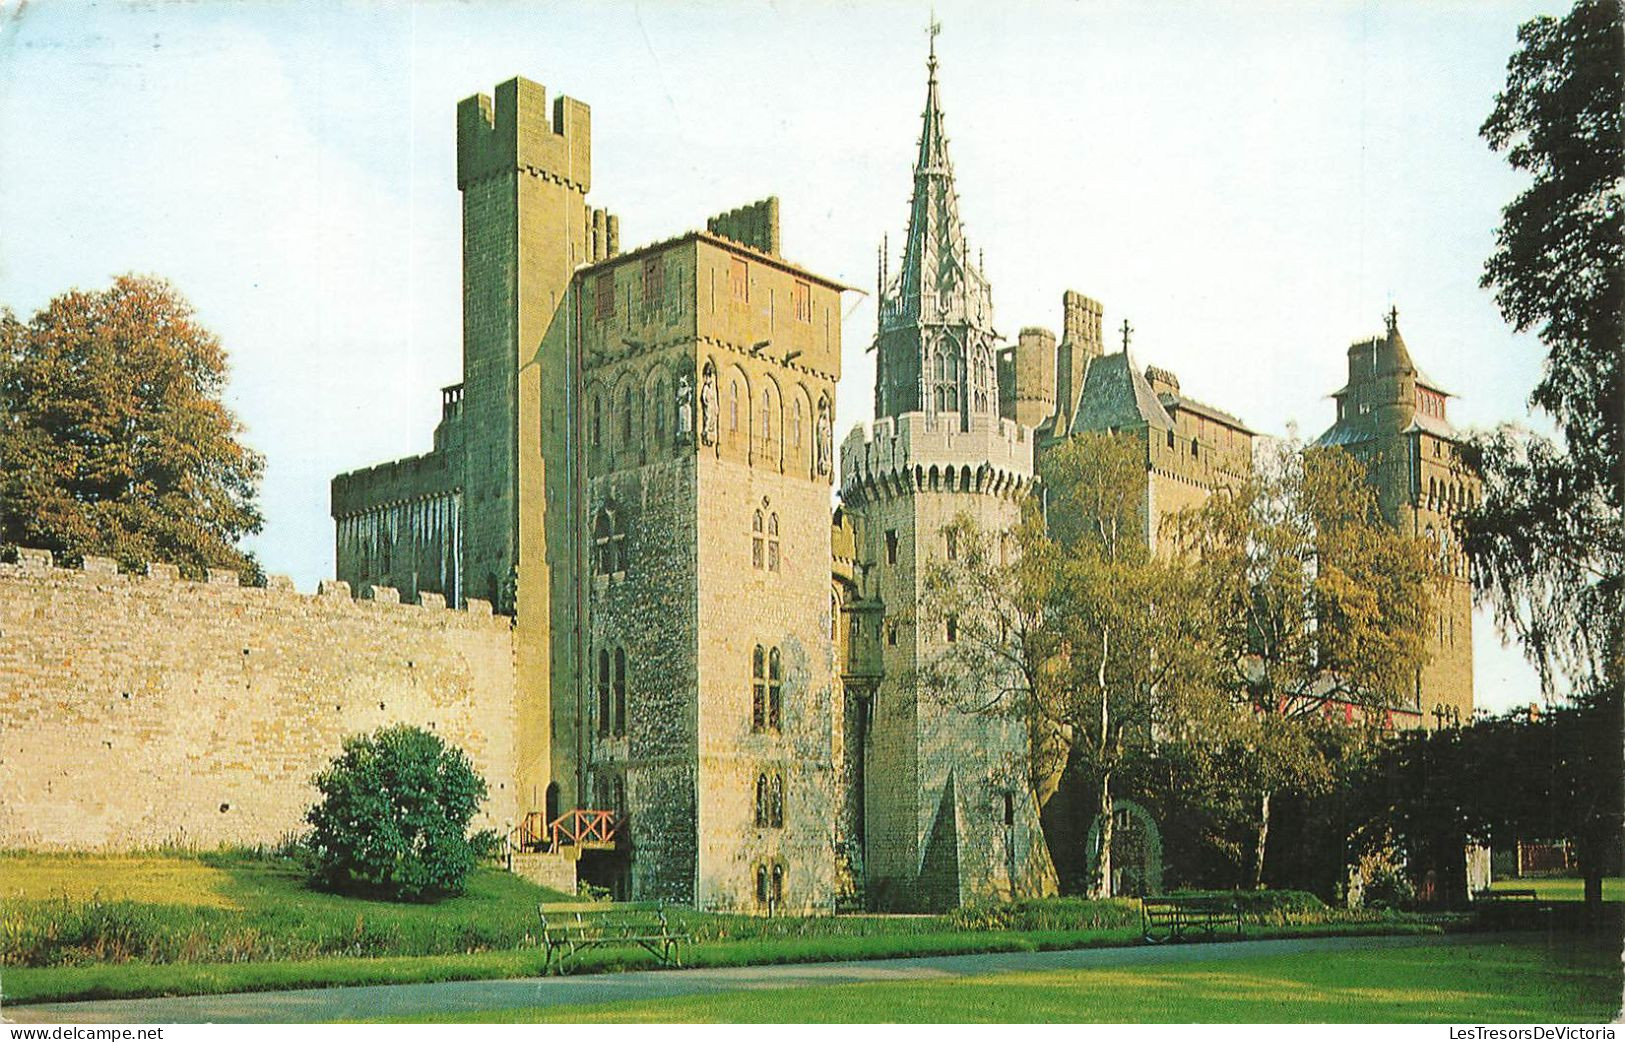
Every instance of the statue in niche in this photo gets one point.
(708, 406)
(685, 410)
(824, 443)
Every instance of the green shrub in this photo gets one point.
(393, 818)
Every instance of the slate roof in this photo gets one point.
(1116, 395)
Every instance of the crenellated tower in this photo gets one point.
(936, 351)
(946, 812)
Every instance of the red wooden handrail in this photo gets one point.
(584, 826)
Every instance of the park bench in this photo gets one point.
(568, 929)
(1178, 918)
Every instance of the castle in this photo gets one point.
(629, 496)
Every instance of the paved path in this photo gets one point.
(415, 1000)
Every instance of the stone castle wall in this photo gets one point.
(141, 710)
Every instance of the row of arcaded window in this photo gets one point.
(619, 418)
(611, 691)
(766, 689)
(764, 541)
(769, 801)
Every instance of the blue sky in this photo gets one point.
(1251, 184)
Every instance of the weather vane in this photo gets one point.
(932, 29)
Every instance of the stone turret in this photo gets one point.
(936, 345)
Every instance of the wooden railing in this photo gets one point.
(580, 828)
(584, 828)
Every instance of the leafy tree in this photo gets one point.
(1547, 543)
(1076, 629)
(113, 437)
(1530, 775)
(394, 815)
(1318, 602)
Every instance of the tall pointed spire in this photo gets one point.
(936, 316)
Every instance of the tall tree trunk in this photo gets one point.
(1103, 870)
(1263, 839)
(1102, 883)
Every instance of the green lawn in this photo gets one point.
(1567, 980)
(235, 907)
(1562, 889)
(95, 926)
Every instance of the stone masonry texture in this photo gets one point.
(140, 710)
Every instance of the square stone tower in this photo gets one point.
(707, 709)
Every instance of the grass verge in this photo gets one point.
(1496, 982)
(24, 985)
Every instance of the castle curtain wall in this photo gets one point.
(137, 711)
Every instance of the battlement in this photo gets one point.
(516, 134)
(994, 455)
(756, 225)
(398, 481)
(38, 568)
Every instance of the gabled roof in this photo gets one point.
(1116, 395)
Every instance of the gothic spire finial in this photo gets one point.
(932, 29)
(1393, 318)
(1128, 334)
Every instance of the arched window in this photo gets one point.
(758, 548)
(775, 802)
(626, 418)
(762, 891)
(619, 725)
(733, 406)
(773, 542)
(758, 689)
(778, 884)
(775, 690)
(762, 813)
(1196, 449)
(603, 542)
(1433, 493)
(597, 421)
(603, 691)
(656, 411)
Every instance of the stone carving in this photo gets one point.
(825, 446)
(708, 406)
(685, 410)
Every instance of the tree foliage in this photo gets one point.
(394, 814)
(1526, 775)
(113, 437)
(1318, 598)
(1074, 626)
(1546, 543)
(1317, 601)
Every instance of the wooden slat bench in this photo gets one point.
(1505, 895)
(1178, 918)
(568, 929)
